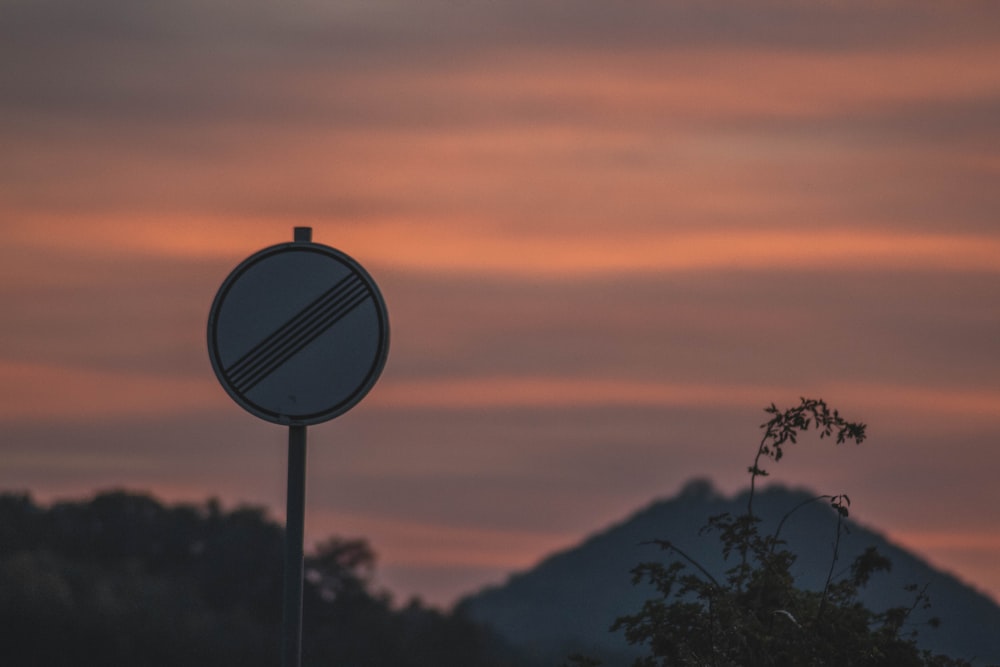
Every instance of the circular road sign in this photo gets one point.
(298, 333)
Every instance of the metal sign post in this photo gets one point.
(298, 334)
(295, 516)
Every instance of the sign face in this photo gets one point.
(298, 333)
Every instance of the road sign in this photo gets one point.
(298, 333)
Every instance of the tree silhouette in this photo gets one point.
(125, 580)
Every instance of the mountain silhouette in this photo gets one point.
(567, 603)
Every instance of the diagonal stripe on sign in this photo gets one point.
(294, 335)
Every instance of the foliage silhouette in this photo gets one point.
(125, 580)
(753, 614)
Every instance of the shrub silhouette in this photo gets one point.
(753, 614)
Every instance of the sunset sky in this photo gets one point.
(608, 234)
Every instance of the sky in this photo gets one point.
(608, 235)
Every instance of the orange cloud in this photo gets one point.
(946, 540)
(696, 83)
(583, 392)
(49, 392)
(559, 253)
(554, 392)
(488, 249)
(427, 544)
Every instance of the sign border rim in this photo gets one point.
(355, 396)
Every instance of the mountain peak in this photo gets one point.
(569, 600)
(699, 488)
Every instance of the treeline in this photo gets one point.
(125, 580)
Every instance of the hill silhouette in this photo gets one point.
(568, 602)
